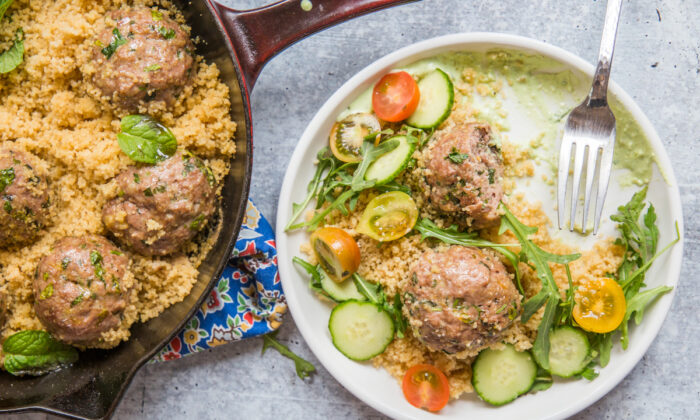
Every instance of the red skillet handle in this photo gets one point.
(258, 35)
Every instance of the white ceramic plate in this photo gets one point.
(375, 386)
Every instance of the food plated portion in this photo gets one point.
(459, 285)
(115, 137)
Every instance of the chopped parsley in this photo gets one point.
(152, 67)
(492, 172)
(6, 178)
(7, 206)
(77, 300)
(156, 15)
(116, 252)
(96, 260)
(117, 41)
(148, 192)
(47, 292)
(166, 33)
(197, 222)
(64, 262)
(160, 189)
(456, 157)
(137, 178)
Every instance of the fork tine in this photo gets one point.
(590, 174)
(563, 177)
(606, 163)
(576, 187)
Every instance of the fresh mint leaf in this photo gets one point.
(303, 367)
(35, 353)
(146, 140)
(13, 57)
(455, 157)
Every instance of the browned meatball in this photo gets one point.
(463, 173)
(161, 207)
(81, 289)
(145, 56)
(459, 299)
(24, 188)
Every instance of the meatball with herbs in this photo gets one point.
(144, 56)
(81, 289)
(160, 208)
(25, 196)
(459, 299)
(463, 173)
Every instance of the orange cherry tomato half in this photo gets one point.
(599, 305)
(425, 386)
(336, 251)
(395, 97)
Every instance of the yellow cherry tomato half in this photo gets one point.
(425, 386)
(388, 216)
(599, 305)
(336, 251)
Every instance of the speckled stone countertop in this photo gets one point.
(656, 61)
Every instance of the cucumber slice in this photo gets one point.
(360, 330)
(343, 291)
(436, 100)
(500, 376)
(569, 351)
(390, 164)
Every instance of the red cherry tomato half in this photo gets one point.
(395, 97)
(425, 386)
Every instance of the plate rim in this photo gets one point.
(464, 40)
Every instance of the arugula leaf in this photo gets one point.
(13, 57)
(636, 305)
(303, 367)
(543, 380)
(146, 140)
(370, 153)
(34, 352)
(375, 294)
(315, 281)
(324, 162)
(4, 5)
(453, 236)
(549, 294)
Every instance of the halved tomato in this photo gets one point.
(425, 386)
(395, 97)
(388, 216)
(599, 305)
(336, 251)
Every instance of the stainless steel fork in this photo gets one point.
(590, 133)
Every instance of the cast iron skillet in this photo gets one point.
(240, 43)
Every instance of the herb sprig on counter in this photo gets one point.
(303, 367)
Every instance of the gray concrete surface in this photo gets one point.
(656, 61)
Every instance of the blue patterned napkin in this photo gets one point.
(248, 300)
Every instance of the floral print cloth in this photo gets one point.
(248, 299)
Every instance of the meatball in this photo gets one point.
(81, 289)
(463, 172)
(24, 188)
(144, 56)
(459, 299)
(161, 207)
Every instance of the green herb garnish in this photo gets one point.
(64, 262)
(156, 15)
(77, 300)
(117, 41)
(314, 272)
(7, 205)
(35, 353)
(197, 222)
(13, 57)
(146, 140)
(137, 178)
(375, 293)
(152, 67)
(6, 178)
(303, 367)
(456, 157)
(96, 260)
(47, 292)
(4, 5)
(148, 192)
(166, 33)
(492, 172)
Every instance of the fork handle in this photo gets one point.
(607, 46)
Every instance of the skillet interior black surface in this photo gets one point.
(91, 388)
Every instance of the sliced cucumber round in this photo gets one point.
(342, 291)
(500, 376)
(390, 164)
(360, 330)
(569, 351)
(436, 100)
